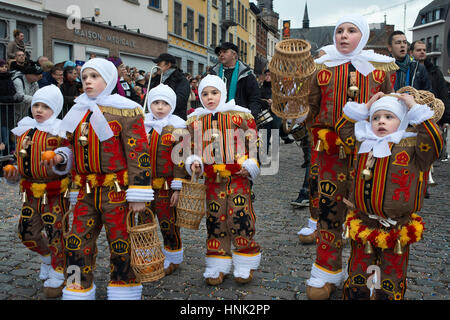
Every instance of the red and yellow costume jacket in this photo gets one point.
(396, 189)
(36, 179)
(123, 158)
(328, 94)
(162, 167)
(236, 142)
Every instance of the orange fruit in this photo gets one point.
(48, 155)
(9, 168)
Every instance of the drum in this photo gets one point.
(263, 118)
(299, 132)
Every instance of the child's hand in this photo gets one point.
(196, 168)
(11, 175)
(49, 164)
(174, 198)
(375, 97)
(136, 206)
(243, 172)
(407, 99)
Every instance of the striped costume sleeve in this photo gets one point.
(429, 144)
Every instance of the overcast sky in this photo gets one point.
(327, 12)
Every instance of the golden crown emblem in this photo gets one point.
(73, 242)
(239, 200)
(49, 218)
(144, 160)
(327, 188)
(213, 244)
(119, 246)
(241, 241)
(214, 207)
(116, 197)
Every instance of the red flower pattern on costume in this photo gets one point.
(113, 146)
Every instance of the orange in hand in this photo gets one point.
(9, 168)
(48, 155)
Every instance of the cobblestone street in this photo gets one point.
(285, 264)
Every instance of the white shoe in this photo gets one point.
(44, 272)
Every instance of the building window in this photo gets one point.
(230, 37)
(154, 4)
(177, 19)
(201, 29)
(190, 24)
(62, 52)
(213, 35)
(201, 68)
(437, 14)
(436, 45)
(3, 38)
(25, 29)
(178, 61)
(429, 44)
(190, 67)
(214, 3)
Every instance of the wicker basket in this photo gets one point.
(291, 68)
(191, 204)
(147, 259)
(428, 98)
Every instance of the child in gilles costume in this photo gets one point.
(43, 189)
(230, 215)
(112, 172)
(160, 124)
(391, 175)
(346, 71)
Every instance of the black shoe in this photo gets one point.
(304, 164)
(302, 200)
(288, 140)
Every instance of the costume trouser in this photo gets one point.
(167, 217)
(101, 207)
(231, 220)
(36, 217)
(393, 268)
(332, 187)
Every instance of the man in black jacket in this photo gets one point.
(410, 72)
(174, 78)
(418, 50)
(241, 83)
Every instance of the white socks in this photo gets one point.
(45, 267)
(312, 225)
(88, 294)
(244, 263)
(125, 293)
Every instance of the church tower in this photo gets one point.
(305, 17)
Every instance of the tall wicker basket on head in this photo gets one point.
(428, 98)
(290, 69)
(147, 259)
(191, 204)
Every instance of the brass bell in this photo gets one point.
(83, 140)
(319, 146)
(218, 179)
(342, 154)
(347, 232)
(66, 194)
(367, 174)
(23, 153)
(166, 185)
(352, 91)
(398, 247)
(44, 199)
(117, 185)
(88, 188)
(368, 248)
(24, 197)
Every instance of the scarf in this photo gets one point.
(165, 93)
(216, 82)
(83, 103)
(403, 73)
(234, 80)
(359, 58)
(51, 96)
